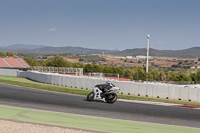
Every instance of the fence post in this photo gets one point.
(146, 90)
(118, 77)
(168, 91)
(180, 93)
(157, 91)
(188, 93)
(197, 94)
(134, 88)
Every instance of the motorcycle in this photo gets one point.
(110, 96)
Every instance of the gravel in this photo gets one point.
(7, 126)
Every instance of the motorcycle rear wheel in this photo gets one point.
(90, 96)
(111, 98)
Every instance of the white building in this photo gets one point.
(143, 57)
(130, 57)
(119, 57)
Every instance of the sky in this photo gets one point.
(101, 24)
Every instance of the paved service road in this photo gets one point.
(59, 102)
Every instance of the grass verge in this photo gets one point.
(28, 83)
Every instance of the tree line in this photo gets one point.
(134, 73)
(9, 54)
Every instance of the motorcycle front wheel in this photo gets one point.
(90, 97)
(111, 98)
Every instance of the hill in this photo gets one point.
(24, 46)
(72, 50)
(41, 49)
(185, 53)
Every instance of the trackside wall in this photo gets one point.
(9, 72)
(157, 90)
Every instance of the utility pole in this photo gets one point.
(147, 66)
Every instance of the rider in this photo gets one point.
(105, 87)
(108, 86)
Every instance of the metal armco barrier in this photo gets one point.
(157, 90)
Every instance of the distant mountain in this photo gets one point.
(42, 49)
(27, 48)
(72, 50)
(116, 50)
(16, 48)
(24, 46)
(185, 53)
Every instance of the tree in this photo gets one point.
(139, 61)
(2, 54)
(149, 76)
(59, 62)
(89, 68)
(195, 77)
(162, 76)
(42, 62)
(182, 77)
(107, 69)
(138, 73)
(156, 75)
(10, 54)
(171, 76)
(31, 61)
(49, 63)
(77, 65)
(127, 74)
(119, 71)
(98, 68)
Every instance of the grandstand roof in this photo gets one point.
(9, 62)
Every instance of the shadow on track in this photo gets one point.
(98, 101)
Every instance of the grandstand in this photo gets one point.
(23, 62)
(9, 62)
(3, 63)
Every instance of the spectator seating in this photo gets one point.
(9, 62)
(3, 63)
(13, 62)
(23, 62)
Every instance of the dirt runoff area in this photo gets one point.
(7, 126)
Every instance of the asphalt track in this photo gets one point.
(67, 103)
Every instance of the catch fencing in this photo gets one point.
(64, 70)
(157, 90)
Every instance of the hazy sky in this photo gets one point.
(105, 24)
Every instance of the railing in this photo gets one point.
(63, 70)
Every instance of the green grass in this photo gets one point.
(87, 122)
(28, 83)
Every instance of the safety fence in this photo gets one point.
(64, 70)
(157, 90)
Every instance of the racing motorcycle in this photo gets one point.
(110, 95)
